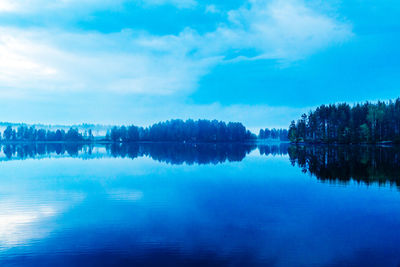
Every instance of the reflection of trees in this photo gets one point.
(275, 149)
(32, 150)
(173, 153)
(179, 153)
(366, 164)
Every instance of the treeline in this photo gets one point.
(31, 134)
(279, 134)
(182, 131)
(170, 131)
(342, 123)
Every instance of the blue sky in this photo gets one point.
(262, 62)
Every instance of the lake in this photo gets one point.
(199, 205)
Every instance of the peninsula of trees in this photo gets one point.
(362, 123)
(183, 131)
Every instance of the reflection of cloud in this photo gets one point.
(17, 224)
(126, 195)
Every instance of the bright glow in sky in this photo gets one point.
(140, 61)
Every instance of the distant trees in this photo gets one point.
(30, 134)
(342, 123)
(183, 131)
(277, 134)
(170, 131)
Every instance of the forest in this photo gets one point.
(183, 131)
(30, 134)
(277, 134)
(341, 123)
(170, 131)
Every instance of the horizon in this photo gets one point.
(91, 126)
(253, 130)
(262, 63)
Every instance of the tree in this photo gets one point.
(90, 135)
(342, 123)
(133, 133)
(261, 134)
(115, 135)
(8, 133)
(169, 131)
(41, 135)
(292, 132)
(73, 135)
(365, 135)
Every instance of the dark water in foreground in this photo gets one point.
(203, 205)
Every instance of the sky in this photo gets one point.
(260, 62)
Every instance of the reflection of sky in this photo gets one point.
(17, 223)
(260, 209)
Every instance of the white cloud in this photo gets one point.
(34, 6)
(280, 29)
(18, 65)
(212, 9)
(7, 6)
(46, 62)
(178, 3)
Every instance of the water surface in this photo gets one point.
(214, 205)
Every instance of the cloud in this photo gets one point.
(35, 6)
(125, 62)
(211, 9)
(157, 73)
(178, 3)
(7, 6)
(279, 29)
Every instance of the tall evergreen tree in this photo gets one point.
(341, 123)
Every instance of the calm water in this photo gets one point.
(204, 205)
